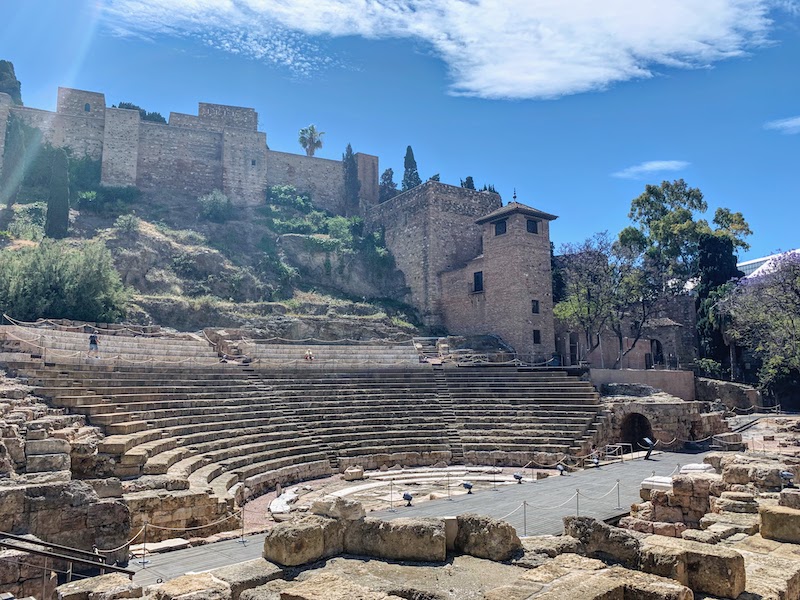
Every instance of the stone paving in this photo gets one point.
(548, 500)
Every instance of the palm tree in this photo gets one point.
(310, 139)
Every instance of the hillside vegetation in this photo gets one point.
(185, 262)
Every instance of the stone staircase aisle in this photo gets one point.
(449, 416)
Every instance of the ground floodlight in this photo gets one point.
(596, 462)
(561, 469)
(788, 478)
(408, 498)
(467, 486)
(518, 477)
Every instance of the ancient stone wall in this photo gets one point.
(80, 103)
(244, 166)
(188, 161)
(733, 395)
(82, 134)
(320, 178)
(120, 147)
(675, 383)
(228, 116)
(429, 230)
(368, 176)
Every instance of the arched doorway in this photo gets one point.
(635, 427)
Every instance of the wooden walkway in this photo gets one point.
(547, 501)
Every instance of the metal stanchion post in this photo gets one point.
(448, 486)
(578, 502)
(494, 482)
(391, 495)
(144, 560)
(241, 537)
(525, 517)
(619, 503)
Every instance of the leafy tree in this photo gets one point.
(665, 222)
(154, 117)
(216, 206)
(310, 139)
(56, 223)
(489, 188)
(56, 280)
(14, 164)
(9, 84)
(764, 313)
(435, 177)
(352, 186)
(717, 267)
(468, 183)
(387, 189)
(411, 175)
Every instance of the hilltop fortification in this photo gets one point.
(219, 148)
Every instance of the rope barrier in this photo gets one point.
(600, 497)
(567, 501)
(512, 512)
(118, 548)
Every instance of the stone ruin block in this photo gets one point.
(790, 498)
(113, 585)
(780, 523)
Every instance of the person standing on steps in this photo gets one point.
(93, 345)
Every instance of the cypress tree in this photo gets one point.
(13, 165)
(468, 183)
(387, 188)
(352, 186)
(57, 220)
(411, 176)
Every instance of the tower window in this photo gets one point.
(87, 107)
(477, 282)
(537, 336)
(535, 307)
(533, 226)
(500, 227)
(253, 162)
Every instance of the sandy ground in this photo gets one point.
(779, 434)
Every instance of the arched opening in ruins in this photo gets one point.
(657, 352)
(636, 427)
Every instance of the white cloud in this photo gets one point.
(651, 166)
(789, 126)
(493, 48)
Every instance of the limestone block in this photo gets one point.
(338, 508)
(304, 541)
(742, 522)
(616, 583)
(667, 529)
(484, 537)
(727, 505)
(636, 524)
(201, 586)
(772, 577)
(102, 587)
(247, 575)
(604, 541)
(353, 473)
(790, 498)
(106, 488)
(780, 523)
(704, 568)
(47, 462)
(12, 500)
(326, 586)
(667, 514)
(697, 468)
(706, 536)
(47, 446)
(551, 545)
(421, 540)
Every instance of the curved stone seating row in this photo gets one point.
(353, 354)
(239, 431)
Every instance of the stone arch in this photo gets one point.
(635, 427)
(657, 352)
(87, 107)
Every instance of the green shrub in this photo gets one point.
(59, 281)
(287, 196)
(109, 201)
(708, 367)
(216, 206)
(28, 221)
(127, 225)
(84, 175)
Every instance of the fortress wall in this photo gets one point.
(244, 160)
(463, 312)
(432, 229)
(84, 135)
(368, 176)
(185, 161)
(74, 103)
(320, 178)
(120, 147)
(228, 116)
(192, 122)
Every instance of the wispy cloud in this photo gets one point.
(649, 167)
(493, 48)
(788, 126)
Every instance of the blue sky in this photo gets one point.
(575, 103)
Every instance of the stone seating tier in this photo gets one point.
(220, 426)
